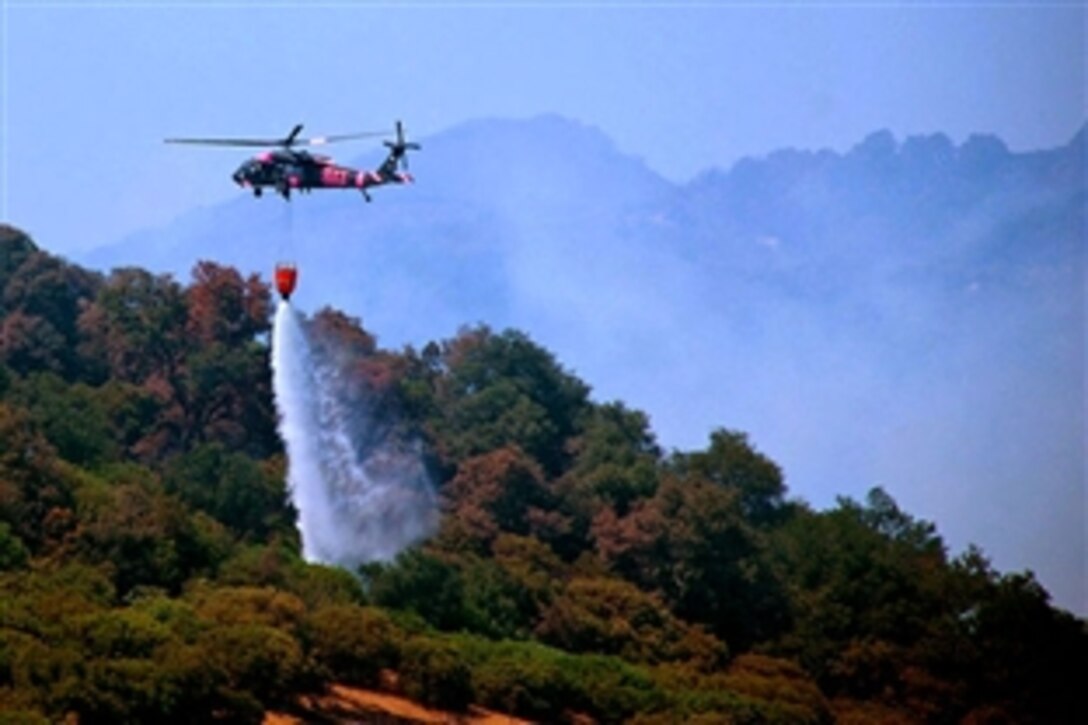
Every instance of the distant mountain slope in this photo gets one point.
(908, 313)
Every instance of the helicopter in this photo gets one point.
(288, 168)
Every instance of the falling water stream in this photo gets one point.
(357, 502)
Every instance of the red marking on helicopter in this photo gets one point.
(333, 176)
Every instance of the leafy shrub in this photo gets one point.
(353, 643)
(13, 554)
(539, 682)
(435, 673)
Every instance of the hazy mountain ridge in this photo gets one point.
(480, 181)
(870, 316)
(501, 203)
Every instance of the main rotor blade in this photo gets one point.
(290, 140)
(227, 141)
(319, 140)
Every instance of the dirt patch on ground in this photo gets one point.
(342, 704)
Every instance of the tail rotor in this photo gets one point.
(398, 149)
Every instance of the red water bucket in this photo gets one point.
(286, 279)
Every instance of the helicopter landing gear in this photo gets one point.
(257, 191)
(365, 195)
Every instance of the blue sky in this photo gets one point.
(91, 89)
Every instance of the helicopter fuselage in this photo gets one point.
(288, 168)
(287, 171)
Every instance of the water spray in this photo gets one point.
(357, 501)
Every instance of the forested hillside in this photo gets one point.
(150, 566)
(898, 311)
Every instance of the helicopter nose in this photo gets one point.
(243, 175)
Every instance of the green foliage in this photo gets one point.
(530, 563)
(353, 643)
(610, 616)
(177, 615)
(881, 616)
(497, 492)
(12, 716)
(133, 412)
(272, 565)
(13, 554)
(232, 488)
(730, 461)
(317, 585)
(264, 606)
(615, 465)
(495, 604)
(434, 672)
(883, 516)
(117, 691)
(472, 594)
(502, 390)
(422, 583)
(539, 682)
(184, 360)
(691, 544)
(218, 400)
(121, 633)
(15, 248)
(40, 300)
(150, 570)
(72, 418)
(33, 490)
(279, 565)
(224, 308)
(782, 685)
(262, 661)
(136, 325)
(856, 582)
(1030, 649)
(148, 539)
(611, 689)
